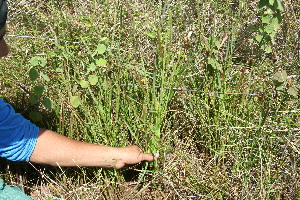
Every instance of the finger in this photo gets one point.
(150, 156)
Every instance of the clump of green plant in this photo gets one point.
(36, 95)
(284, 83)
(91, 79)
(271, 19)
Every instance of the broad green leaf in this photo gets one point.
(278, 5)
(45, 76)
(268, 38)
(276, 21)
(75, 101)
(268, 12)
(217, 43)
(265, 19)
(217, 66)
(268, 49)
(101, 48)
(93, 79)
(92, 67)
(261, 29)
(35, 61)
(258, 38)
(47, 103)
(211, 61)
(280, 76)
(269, 29)
(271, 2)
(35, 116)
(293, 91)
(84, 84)
(38, 90)
(280, 85)
(214, 63)
(42, 62)
(33, 99)
(262, 3)
(101, 62)
(33, 74)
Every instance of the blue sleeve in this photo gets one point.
(18, 136)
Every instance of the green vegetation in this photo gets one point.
(213, 86)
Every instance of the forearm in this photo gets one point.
(57, 150)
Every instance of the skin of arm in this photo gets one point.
(57, 150)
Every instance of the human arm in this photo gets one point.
(57, 150)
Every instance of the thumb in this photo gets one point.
(150, 156)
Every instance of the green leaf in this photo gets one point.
(258, 38)
(35, 61)
(75, 101)
(217, 43)
(293, 91)
(35, 116)
(42, 62)
(269, 12)
(265, 19)
(92, 67)
(271, 2)
(84, 84)
(45, 77)
(93, 79)
(280, 76)
(33, 99)
(47, 103)
(38, 90)
(261, 29)
(214, 63)
(33, 74)
(101, 48)
(276, 21)
(268, 49)
(280, 85)
(101, 62)
(151, 35)
(210, 61)
(262, 3)
(278, 5)
(269, 29)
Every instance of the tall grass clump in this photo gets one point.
(213, 86)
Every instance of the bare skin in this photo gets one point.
(57, 150)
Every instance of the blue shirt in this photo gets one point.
(17, 135)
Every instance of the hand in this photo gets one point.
(133, 155)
